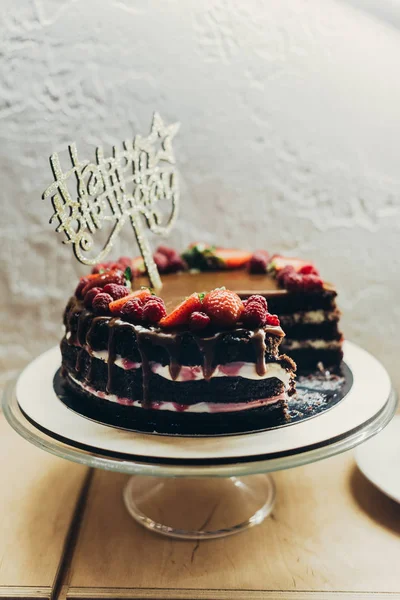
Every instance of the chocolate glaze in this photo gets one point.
(170, 341)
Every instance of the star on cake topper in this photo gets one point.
(133, 183)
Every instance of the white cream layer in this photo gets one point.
(312, 344)
(200, 407)
(314, 317)
(195, 373)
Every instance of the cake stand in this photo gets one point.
(222, 482)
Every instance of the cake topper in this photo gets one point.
(131, 184)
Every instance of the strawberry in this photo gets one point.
(207, 258)
(232, 259)
(277, 263)
(102, 279)
(223, 307)
(116, 306)
(180, 315)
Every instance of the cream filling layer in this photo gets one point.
(312, 344)
(200, 407)
(195, 373)
(314, 317)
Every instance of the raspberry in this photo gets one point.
(198, 320)
(224, 307)
(176, 264)
(259, 300)
(308, 270)
(283, 273)
(154, 311)
(272, 320)
(258, 263)
(101, 302)
(254, 315)
(133, 309)
(124, 261)
(82, 283)
(153, 299)
(115, 290)
(170, 253)
(312, 283)
(90, 296)
(294, 282)
(161, 261)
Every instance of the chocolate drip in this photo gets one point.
(112, 352)
(89, 332)
(207, 348)
(79, 360)
(140, 337)
(258, 341)
(171, 342)
(81, 329)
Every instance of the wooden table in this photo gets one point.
(64, 532)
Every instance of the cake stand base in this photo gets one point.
(199, 508)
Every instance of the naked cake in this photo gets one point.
(206, 364)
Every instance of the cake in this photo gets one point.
(304, 302)
(205, 364)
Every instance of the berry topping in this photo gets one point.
(121, 264)
(90, 296)
(207, 258)
(176, 264)
(116, 291)
(133, 309)
(277, 263)
(254, 314)
(283, 273)
(79, 288)
(308, 270)
(170, 253)
(180, 315)
(224, 307)
(154, 310)
(101, 302)
(198, 321)
(116, 305)
(258, 262)
(161, 261)
(102, 279)
(273, 320)
(294, 282)
(258, 299)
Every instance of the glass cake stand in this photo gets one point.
(199, 487)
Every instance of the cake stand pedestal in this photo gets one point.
(224, 480)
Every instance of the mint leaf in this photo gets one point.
(128, 273)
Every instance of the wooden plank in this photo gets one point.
(330, 531)
(38, 495)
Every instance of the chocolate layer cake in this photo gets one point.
(211, 365)
(304, 302)
(310, 320)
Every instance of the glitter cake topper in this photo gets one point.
(130, 184)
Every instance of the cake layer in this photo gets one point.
(307, 358)
(309, 331)
(85, 329)
(128, 383)
(174, 422)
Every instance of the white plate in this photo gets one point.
(379, 459)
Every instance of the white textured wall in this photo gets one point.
(290, 140)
